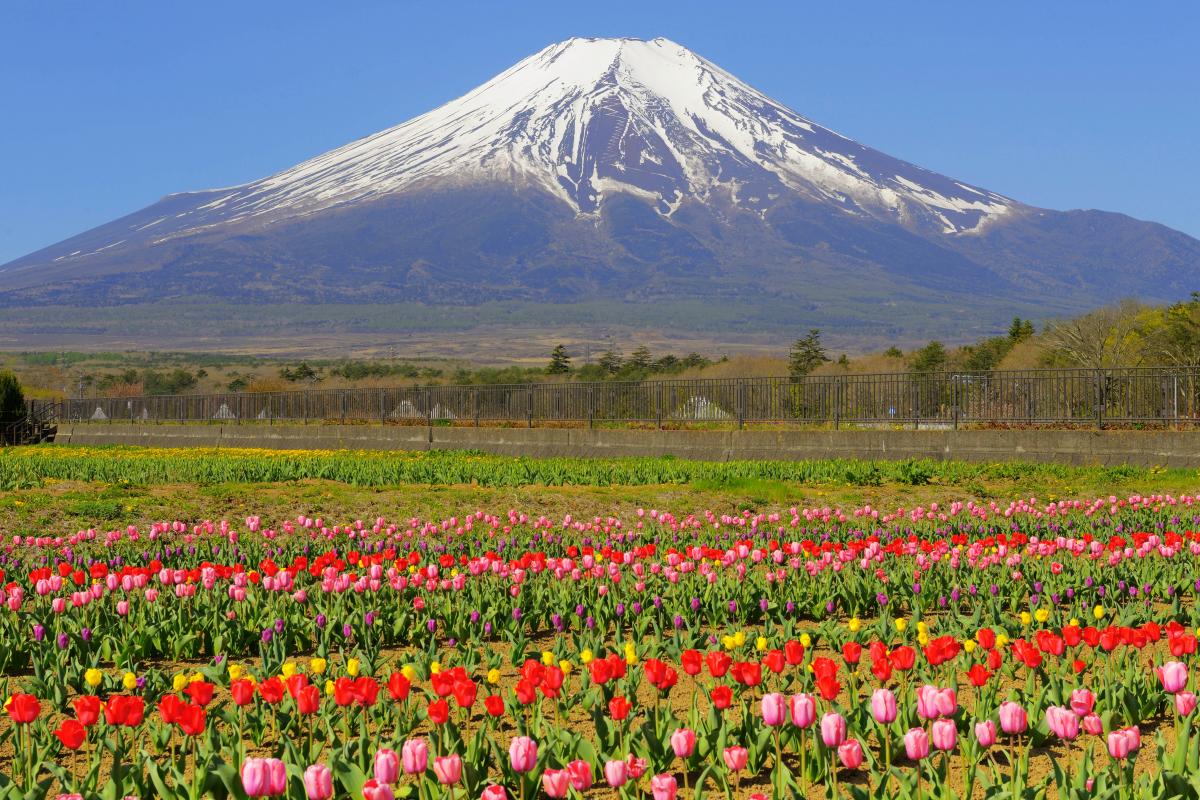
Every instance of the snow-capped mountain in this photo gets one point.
(601, 167)
(592, 117)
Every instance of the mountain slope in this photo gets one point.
(608, 168)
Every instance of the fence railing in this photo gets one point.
(1073, 397)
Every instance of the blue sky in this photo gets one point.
(107, 106)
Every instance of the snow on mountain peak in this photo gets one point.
(586, 118)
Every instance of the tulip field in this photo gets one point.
(927, 644)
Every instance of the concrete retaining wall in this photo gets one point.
(1143, 448)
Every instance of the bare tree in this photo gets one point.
(1107, 337)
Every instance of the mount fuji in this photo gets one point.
(619, 169)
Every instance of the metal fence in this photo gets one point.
(1162, 396)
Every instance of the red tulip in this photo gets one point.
(125, 710)
(718, 663)
(271, 690)
(722, 697)
(398, 686)
(690, 661)
(71, 733)
(23, 708)
(494, 705)
(438, 712)
(308, 701)
(242, 691)
(191, 720)
(201, 692)
(87, 710)
(618, 708)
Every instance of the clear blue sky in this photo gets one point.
(107, 106)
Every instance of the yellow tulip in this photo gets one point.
(329, 687)
(235, 671)
(93, 677)
(352, 667)
(727, 642)
(739, 638)
(317, 666)
(408, 672)
(179, 682)
(565, 666)
(129, 681)
(1042, 614)
(1002, 639)
(855, 625)
(922, 638)
(547, 657)
(493, 676)
(1026, 618)
(805, 640)
(1098, 612)
(586, 656)
(289, 669)
(901, 623)
(435, 667)
(969, 645)
(196, 678)
(922, 627)
(760, 643)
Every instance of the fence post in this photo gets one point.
(475, 403)
(954, 398)
(741, 405)
(428, 408)
(591, 400)
(345, 401)
(529, 405)
(658, 403)
(1099, 402)
(837, 404)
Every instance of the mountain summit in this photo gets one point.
(607, 168)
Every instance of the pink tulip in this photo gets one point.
(254, 777)
(985, 733)
(448, 769)
(735, 758)
(1185, 703)
(1062, 722)
(833, 729)
(387, 766)
(264, 777)
(945, 734)
(616, 772)
(683, 742)
(374, 790)
(1092, 725)
(1082, 702)
(556, 782)
(664, 787)
(415, 756)
(774, 709)
(916, 744)
(804, 710)
(494, 792)
(579, 772)
(1013, 719)
(1123, 742)
(850, 753)
(883, 706)
(318, 782)
(1174, 676)
(522, 754)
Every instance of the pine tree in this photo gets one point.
(807, 354)
(611, 361)
(640, 358)
(12, 399)
(560, 362)
(930, 358)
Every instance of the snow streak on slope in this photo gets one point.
(589, 117)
